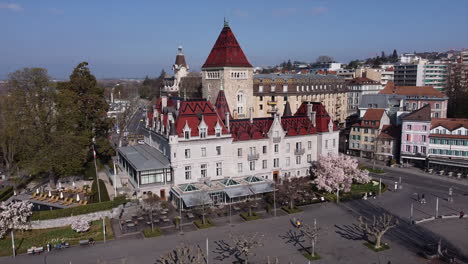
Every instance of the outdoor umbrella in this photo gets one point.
(37, 190)
(73, 184)
(60, 185)
(50, 193)
(77, 197)
(61, 195)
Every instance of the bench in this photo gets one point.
(34, 250)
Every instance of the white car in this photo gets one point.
(141, 141)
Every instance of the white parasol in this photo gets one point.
(37, 190)
(77, 197)
(50, 193)
(73, 184)
(61, 195)
(60, 185)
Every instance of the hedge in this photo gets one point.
(94, 198)
(6, 193)
(78, 210)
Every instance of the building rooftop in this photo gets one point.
(145, 157)
(420, 91)
(449, 123)
(285, 76)
(390, 132)
(361, 81)
(422, 114)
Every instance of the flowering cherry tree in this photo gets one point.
(14, 216)
(80, 225)
(337, 172)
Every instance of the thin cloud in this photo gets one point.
(12, 7)
(284, 12)
(240, 13)
(318, 11)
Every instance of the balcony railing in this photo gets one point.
(272, 110)
(272, 102)
(276, 139)
(253, 156)
(299, 151)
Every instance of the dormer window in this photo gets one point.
(202, 132)
(218, 132)
(186, 131)
(186, 134)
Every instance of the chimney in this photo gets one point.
(251, 116)
(163, 102)
(227, 120)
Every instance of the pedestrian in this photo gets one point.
(423, 199)
(462, 214)
(419, 198)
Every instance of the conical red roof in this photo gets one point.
(226, 52)
(222, 106)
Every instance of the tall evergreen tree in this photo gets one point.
(395, 56)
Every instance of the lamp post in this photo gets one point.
(274, 198)
(97, 176)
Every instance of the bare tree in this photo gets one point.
(152, 202)
(203, 209)
(311, 232)
(378, 227)
(292, 189)
(245, 244)
(183, 254)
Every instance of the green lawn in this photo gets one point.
(357, 191)
(373, 170)
(40, 237)
(372, 247)
(152, 233)
(200, 225)
(310, 257)
(254, 216)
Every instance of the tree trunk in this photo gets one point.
(152, 223)
(313, 248)
(52, 180)
(291, 204)
(377, 241)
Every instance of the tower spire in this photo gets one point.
(226, 23)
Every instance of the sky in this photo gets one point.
(133, 39)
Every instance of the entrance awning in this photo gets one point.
(196, 199)
(238, 191)
(263, 187)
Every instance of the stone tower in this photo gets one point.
(227, 66)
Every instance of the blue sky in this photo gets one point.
(139, 38)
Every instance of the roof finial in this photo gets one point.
(226, 23)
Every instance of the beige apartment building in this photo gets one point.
(272, 91)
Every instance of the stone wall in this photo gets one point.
(59, 222)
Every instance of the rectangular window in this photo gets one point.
(298, 159)
(186, 134)
(202, 132)
(288, 161)
(219, 168)
(334, 142)
(239, 152)
(276, 148)
(326, 143)
(203, 170)
(252, 165)
(188, 172)
(408, 137)
(408, 148)
(239, 167)
(264, 149)
(264, 164)
(423, 138)
(309, 158)
(309, 144)
(187, 153)
(288, 147)
(424, 128)
(408, 127)
(276, 163)
(366, 130)
(423, 150)
(261, 107)
(218, 150)
(203, 152)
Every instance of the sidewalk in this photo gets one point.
(414, 171)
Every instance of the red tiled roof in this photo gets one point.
(361, 80)
(244, 129)
(322, 118)
(422, 114)
(193, 112)
(373, 114)
(222, 106)
(448, 136)
(449, 123)
(226, 52)
(390, 69)
(389, 132)
(428, 91)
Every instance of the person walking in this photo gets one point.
(423, 199)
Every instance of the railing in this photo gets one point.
(299, 151)
(272, 102)
(253, 156)
(272, 110)
(276, 139)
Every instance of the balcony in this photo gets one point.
(272, 110)
(299, 151)
(276, 139)
(253, 156)
(270, 102)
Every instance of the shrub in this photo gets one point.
(291, 211)
(393, 161)
(80, 225)
(78, 210)
(200, 225)
(94, 198)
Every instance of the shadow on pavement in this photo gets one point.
(351, 232)
(413, 237)
(224, 251)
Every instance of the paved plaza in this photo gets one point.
(339, 240)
